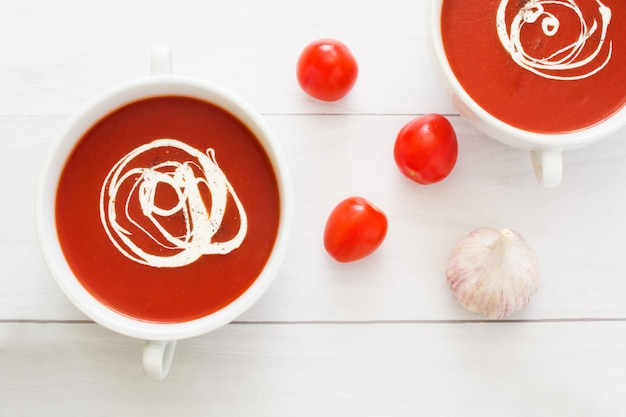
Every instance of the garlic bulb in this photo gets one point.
(493, 272)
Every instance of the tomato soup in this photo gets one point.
(167, 209)
(546, 66)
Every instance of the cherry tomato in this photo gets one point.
(327, 70)
(426, 149)
(354, 229)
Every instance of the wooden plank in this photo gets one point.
(57, 56)
(523, 369)
(575, 228)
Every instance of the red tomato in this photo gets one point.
(354, 229)
(327, 70)
(426, 149)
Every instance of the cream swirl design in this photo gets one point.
(572, 61)
(178, 230)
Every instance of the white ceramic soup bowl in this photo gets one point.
(545, 149)
(160, 337)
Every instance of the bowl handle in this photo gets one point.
(548, 166)
(157, 357)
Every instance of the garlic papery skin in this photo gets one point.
(493, 272)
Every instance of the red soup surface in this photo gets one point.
(167, 209)
(546, 66)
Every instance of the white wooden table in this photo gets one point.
(380, 337)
